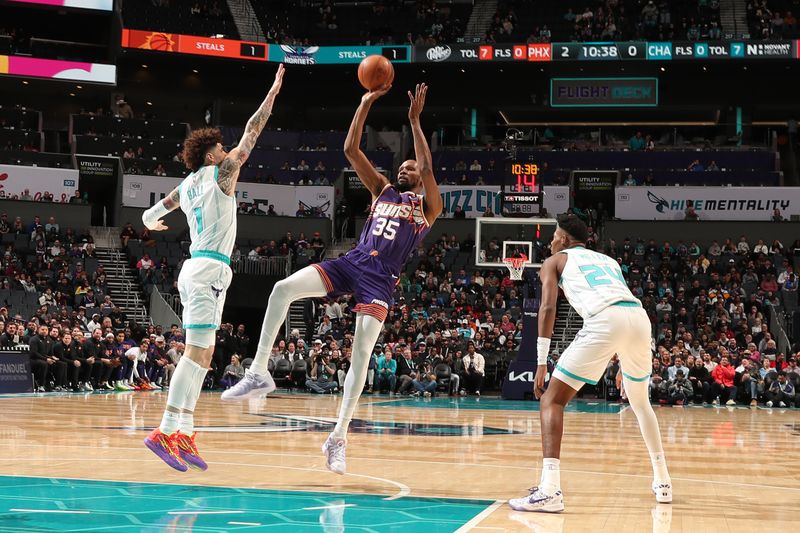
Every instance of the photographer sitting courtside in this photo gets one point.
(322, 372)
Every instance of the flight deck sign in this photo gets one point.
(604, 92)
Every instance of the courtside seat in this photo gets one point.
(282, 373)
(443, 373)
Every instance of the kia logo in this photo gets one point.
(438, 53)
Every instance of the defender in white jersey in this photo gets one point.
(614, 323)
(208, 199)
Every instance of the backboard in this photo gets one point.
(497, 238)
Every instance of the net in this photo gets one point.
(515, 266)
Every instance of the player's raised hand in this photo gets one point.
(278, 83)
(417, 102)
(371, 96)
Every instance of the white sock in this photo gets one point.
(659, 462)
(183, 384)
(186, 423)
(169, 422)
(648, 425)
(187, 415)
(305, 283)
(368, 329)
(551, 476)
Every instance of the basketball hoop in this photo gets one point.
(515, 266)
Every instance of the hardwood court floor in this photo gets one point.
(414, 465)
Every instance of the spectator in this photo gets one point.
(322, 372)
(723, 387)
(475, 166)
(406, 372)
(781, 392)
(637, 142)
(234, 372)
(386, 370)
(474, 370)
(680, 389)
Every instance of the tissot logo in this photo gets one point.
(439, 53)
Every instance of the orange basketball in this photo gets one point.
(374, 72)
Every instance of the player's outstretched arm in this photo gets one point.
(153, 217)
(433, 200)
(373, 180)
(229, 168)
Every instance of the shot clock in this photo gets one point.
(521, 190)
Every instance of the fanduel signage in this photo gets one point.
(15, 372)
(710, 203)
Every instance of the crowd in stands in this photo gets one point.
(55, 300)
(605, 20)
(709, 308)
(773, 20)
(711, 312)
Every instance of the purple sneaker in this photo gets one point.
(165, 448)
(188, 450)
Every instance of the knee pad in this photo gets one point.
(202, 338)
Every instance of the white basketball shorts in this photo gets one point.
(623, 329)
(203, 283)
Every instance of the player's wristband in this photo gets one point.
(542, 350)
(154, 214)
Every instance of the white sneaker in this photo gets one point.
(781, 404)
(251, 386)
(334, 450)
(730, 402)
(538, 501)
(88, 387)
(769, 403)
(663, 491)
(426, 394)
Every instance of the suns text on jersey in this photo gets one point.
(405, 211)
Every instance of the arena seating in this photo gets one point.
(181, 16)
(626, 21)
(331, 23)
(776, 19)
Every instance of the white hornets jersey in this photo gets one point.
(592, 281)
(211, 215)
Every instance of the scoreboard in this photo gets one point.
(599, 51)
(521, 191)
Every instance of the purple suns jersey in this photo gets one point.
(396, 225)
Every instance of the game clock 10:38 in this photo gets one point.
(599, 51)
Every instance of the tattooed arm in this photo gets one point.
(229, 168)
(153, 217)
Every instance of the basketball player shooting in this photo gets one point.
(207, 197)
(614, 322)
(399, 219)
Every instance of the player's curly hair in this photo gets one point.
(574, 226)
(197, 144)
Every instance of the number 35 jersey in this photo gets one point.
(396, 225)
(592, 281)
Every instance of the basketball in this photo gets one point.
(374, 72)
